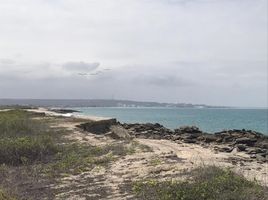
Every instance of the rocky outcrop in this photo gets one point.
(149, 130)
(118, 132)
(253, 143)
(98, 127)
(63, 111)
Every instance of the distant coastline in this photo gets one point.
(98, 103)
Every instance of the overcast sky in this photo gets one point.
(193, 51)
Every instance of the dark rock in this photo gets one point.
(190, 136)
(175, 137)
(187, 129)
(227, 139)
(208, 138)
(156, 137)
(245, 140)
(63, 111)
(167, 137)
(263, 144)
(264, 154)
(118, 132)
(221, 132)
(255, 150)
(189, 141)
(150, 130)
(226, 149)
(98, 127)
(253, 156)
(241, 147)
(261, 158)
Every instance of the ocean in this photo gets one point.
(207, 119)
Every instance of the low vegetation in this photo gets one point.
(76, 158)
(155, 161)
(206, 183)
(33, 155)
(4, 107)
(24, 139)
(5, 196)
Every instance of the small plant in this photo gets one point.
(209, 183)
(5, 196)
(23, 150)
(15, 123)
(138, 146)
(155, 161)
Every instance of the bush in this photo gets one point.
(24, 139)
(20, 123)
(26, 149)
(210, 183)
(5, 196)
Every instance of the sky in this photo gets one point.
(189, 51)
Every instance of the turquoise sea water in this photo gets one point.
(209, 120)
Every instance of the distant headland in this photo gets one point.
(98, 103)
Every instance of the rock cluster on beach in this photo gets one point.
(98, 127)
(253, 143)
(153, 131)
(63, 111)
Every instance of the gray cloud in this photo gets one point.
(43, 70)
(6, 61)
(163, 80)
(80, 66)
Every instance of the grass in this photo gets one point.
(209, 183)
(3, 107)
(24, 139)
(155, 161)
(138, 147)
(18, 123)
(22, 150)
(76, 158)
(5, 196)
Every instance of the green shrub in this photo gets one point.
(210, 183)
(72, 158)
(24, 139)
(5, 196)
(17, 123)
(25, 149)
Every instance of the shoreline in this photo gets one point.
(252, 143)
(50, 112)
(208, 120)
